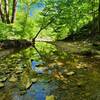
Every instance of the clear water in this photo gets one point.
(48, 70)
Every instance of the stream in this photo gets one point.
(50, 71)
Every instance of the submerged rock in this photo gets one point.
(23, 92)
(13, 79)
(70, 73)
(81, 65)
(38, 67)
(28, 85)
(19, 71)
(50, 97)
(79, 84)
(1, 85)
(2, 79)
(34, 80)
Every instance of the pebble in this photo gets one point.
(70, 73)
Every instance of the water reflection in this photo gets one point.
(46, 72)
(42, 66)
(36, 68)
(38, 91)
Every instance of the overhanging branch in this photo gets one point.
(42, 28)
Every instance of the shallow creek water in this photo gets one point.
(55, 71)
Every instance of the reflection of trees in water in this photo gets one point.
(42, 56)
(60, 64)
(17, 69)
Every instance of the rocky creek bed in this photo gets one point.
(68, 72)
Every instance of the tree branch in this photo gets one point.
(42, 28)
(52, 19)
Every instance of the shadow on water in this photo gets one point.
(49, 72)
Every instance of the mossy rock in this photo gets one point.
(28, 85)
(13, 79)
(34, 80)
(1, 85)
(50, 97)
(70, 73)
(23, 92)
(19, 71)
(2, 79)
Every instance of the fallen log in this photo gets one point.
(15, 43)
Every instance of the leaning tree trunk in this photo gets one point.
(1, 13)
(7, 11)
(42, 28)
(14, 11)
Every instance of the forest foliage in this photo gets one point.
(26, 19)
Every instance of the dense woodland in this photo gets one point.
(57, 19)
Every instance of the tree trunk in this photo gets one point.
(99, 18)
(14, 11)
(93, 22)
(7, 11)
(1, 13)
(37, 34)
